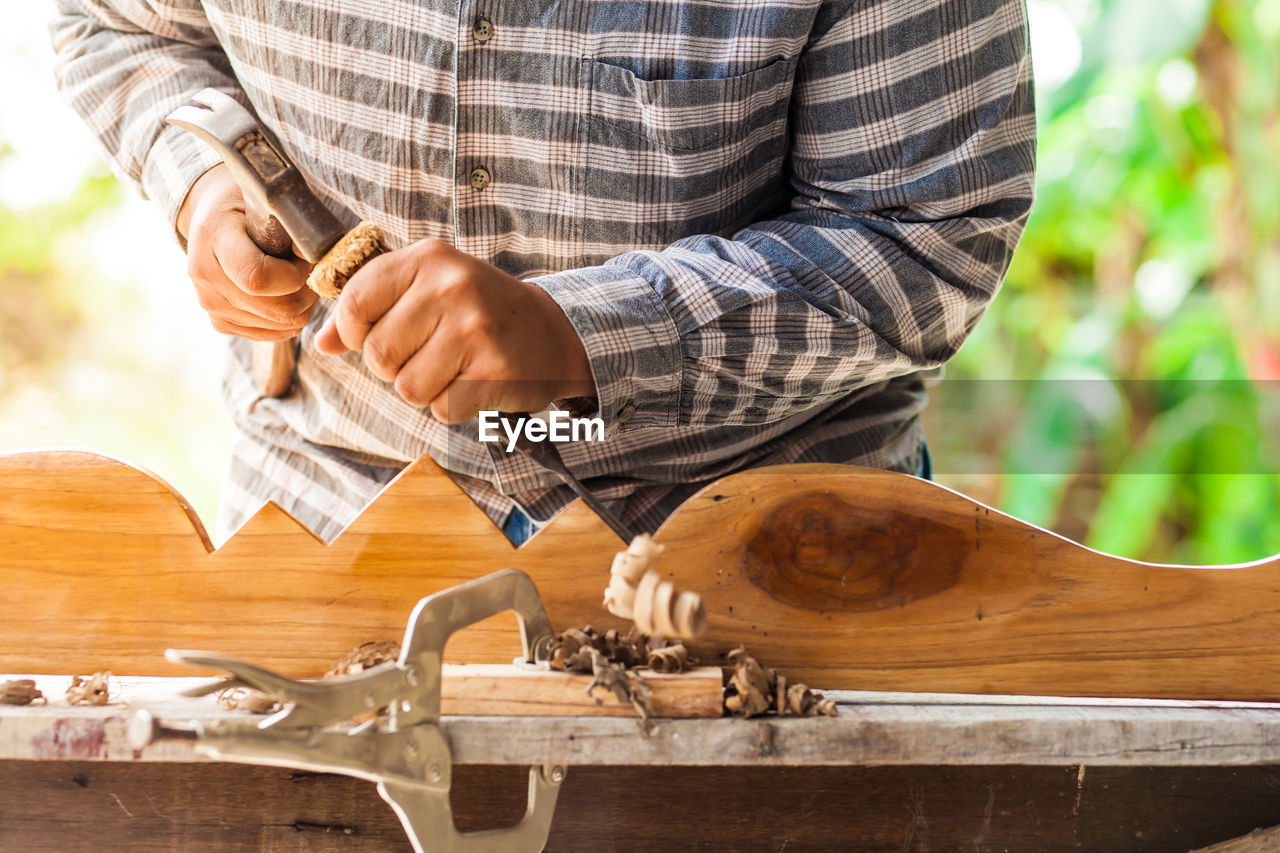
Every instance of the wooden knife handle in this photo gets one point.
(267, 233)
(274, 362)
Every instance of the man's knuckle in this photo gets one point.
(432, 246)
(380, 354)
(477, 326)
(252, 277)
(408, 389)
(440, 411)
(353, 307)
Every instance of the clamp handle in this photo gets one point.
(438, 616)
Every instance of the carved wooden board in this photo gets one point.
(840, 577)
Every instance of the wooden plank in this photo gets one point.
(84, 807)
(1258, 841)
(505, 690)
(868, 731)
(836, 576)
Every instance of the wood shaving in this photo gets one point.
(627, 686)
(364, 656)
(637, 592)
(753, 690)
(672, 658)
(20, 691)
(90, 689)
(751, 687)
(244, 699)
(571, 651)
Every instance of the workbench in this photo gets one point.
(835, 576)
(894, 771)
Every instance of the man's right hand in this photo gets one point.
(246, 293)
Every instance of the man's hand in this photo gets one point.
(457, 334)
(245, 292)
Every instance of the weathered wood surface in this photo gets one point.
(836, 576)
(88, 807)
(1258, 841)
(871, 729)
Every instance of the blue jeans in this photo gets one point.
(519, 527)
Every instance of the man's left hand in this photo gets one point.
(457, 334)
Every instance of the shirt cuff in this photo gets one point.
(174, 163)
(631, 341)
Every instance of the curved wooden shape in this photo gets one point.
(837, 576)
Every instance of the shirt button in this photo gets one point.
(482, 29)
(480, 177)
(625, 413)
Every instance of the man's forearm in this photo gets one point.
(912, 159)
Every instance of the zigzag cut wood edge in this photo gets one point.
(841, 577)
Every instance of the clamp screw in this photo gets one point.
(411, 676)
(434, 773)
(557, 774)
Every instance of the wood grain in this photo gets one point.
(81, 807)
(871, 729)
(505, 690)
(837, 576)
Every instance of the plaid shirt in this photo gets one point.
(768, 220)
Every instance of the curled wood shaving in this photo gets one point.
(627, 686)
(672, 658)
(754, 690)
(244, 699)
(20, 691)
(90, 689)
(636, 591)
(751, 686)
(571, 651)
(364, 656)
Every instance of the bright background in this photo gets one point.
(1124, 390)
(102, 344)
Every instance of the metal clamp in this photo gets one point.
(404, 751)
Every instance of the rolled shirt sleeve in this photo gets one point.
(123, 66)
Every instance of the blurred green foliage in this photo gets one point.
(1153, 253)
(39, 305)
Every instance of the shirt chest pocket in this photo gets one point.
(667, 159)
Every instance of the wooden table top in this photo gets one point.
(873, 728)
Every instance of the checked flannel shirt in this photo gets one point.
(768, 220)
